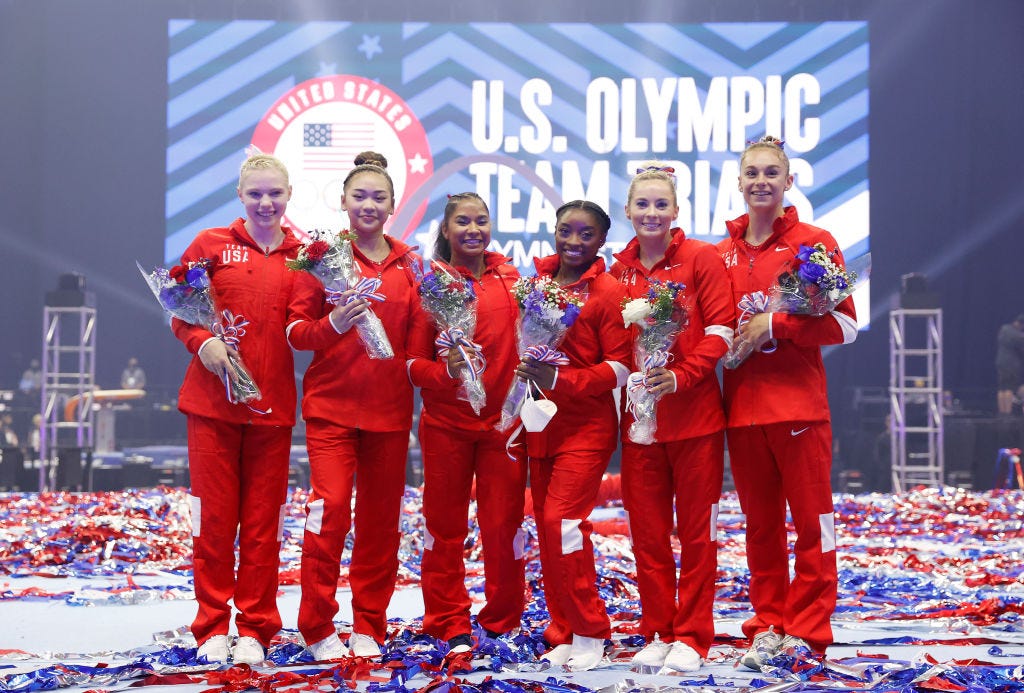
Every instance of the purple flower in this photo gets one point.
(431, 285)
(805, 252)
(572, 311)
(197, 278)
(534, 302)
(811, 272)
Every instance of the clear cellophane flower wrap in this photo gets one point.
(660, 316)
(814, 286)
(450, 300)
(546, 312)
(184, 291)
(329, 257)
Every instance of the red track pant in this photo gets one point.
(774, 465)
(564, 488)
(688, 475)
(239, 477)
(451, 459)
(376, 460)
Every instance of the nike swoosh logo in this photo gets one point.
(780, 248)
(796, 433)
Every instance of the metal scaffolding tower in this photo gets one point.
(915, 391)
(68, 382)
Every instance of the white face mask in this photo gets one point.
(536, 413)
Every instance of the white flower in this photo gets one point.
(636, 311)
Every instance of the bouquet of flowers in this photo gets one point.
(184, 292)
(815, 286)
(546, 312)
(451, 301)
(661, 316)
(329, 258)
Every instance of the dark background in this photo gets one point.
(84, 118)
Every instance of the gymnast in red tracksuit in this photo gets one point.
(460, 446)
(683, 467)
(777, 417)
(568, 458)
(237, 456)
(358, 415)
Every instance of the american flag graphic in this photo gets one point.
(332, 146)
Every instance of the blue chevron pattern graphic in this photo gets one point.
(571, 105)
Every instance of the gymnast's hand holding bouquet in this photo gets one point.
(451, 302)
(814, 284)
(546, 312)
(330, 259)
(185, 293)
(660, 316)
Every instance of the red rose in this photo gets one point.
(177, 273)
(316, 250)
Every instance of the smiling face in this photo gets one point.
(579, 236)
(764, 179)
(468, 230)
(368, 201)
(264, 193)
(652, 208)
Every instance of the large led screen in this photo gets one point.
(527, 115)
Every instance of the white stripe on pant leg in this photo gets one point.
(714, 523)
(280, 522)
(519, 544)
(828, 532)
(629, 529)
(195, 508)
(572, 537)
(315, 516)
(428, 539)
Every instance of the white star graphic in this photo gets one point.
(417, 164)
(370, 46)
(327, 69)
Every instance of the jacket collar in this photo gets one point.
(630, 255)
(738, 226)
(548, 266)
(240, 233)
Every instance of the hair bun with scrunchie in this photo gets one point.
(369, 158)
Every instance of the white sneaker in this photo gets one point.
(215, 649)
(557, 655)
(586, 653)
(248, 651)
(653, 654)
(764, 646)
(363, 646)
(329, 648)
(682, 657)
(796, 645)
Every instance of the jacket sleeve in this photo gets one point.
(309, 327)
(426, 369)
(604, 331)
(837, 327)
(714, 298)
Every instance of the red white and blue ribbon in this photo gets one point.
(231, 329)
(750, 305)
(367, 288)
(545, 354)
(637, 382)
(455, 338)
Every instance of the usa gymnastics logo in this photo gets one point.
(319, 126)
